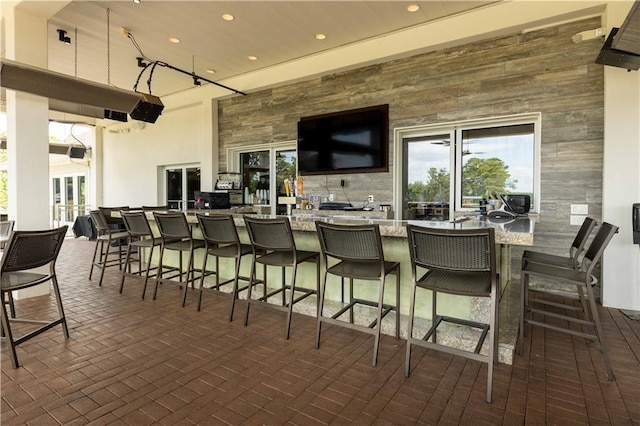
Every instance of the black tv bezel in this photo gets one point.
(384, 142)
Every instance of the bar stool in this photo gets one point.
(221, 239)
(460, 262)
(272, 244)
(176, 235)
(583, 279)
(141, 238)
(359, 255)
(106, 237)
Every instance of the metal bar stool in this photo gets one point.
(176, 235)
(460, 262)
(272, 244)
(141, 238)
(106, 237)
(25, 251)
(221, 239)
(583, 279)
(359, 255)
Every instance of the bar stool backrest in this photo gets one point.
(6, 226)
(32, 249)
(351, 242)
(218, 229)
(100, 221)
(136, 223)
(453, 250)
(156, 208)
(172, 226)
(270, 234)
(577, 246)
(606, 231)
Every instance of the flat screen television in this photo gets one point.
(354, 141)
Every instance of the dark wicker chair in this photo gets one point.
(141, 238)
(575, 251)
(359, 255)
(583, 279)
(113, 220)
(25, 251)
(221, 239)
(107, 239)
(273, 245)
(459, 262)
(176, 235)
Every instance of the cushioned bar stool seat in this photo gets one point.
(109, 249)
(26, 251)
(273, 244)
(355, 252)
(141, 238)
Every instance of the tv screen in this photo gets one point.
(354, 141)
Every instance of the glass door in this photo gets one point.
(68, 198)
(285, 169)
(181, 183)
(427, 178)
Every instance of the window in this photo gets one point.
(264, 169)
(461, 164)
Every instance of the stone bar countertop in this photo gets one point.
(517, 231)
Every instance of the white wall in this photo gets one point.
(621, 176)
(132, 156)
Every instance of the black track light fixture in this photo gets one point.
(62, 36)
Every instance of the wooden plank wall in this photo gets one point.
(541, 71)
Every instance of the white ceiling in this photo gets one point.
(274, 31)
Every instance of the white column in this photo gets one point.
(27, 131)
(621, 175)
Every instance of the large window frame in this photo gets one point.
(455, 130)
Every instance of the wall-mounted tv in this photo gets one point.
(354, 141)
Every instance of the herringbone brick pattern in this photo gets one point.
(135, 362)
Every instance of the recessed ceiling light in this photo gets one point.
(413, 8)
(210, 71)
(228, 17)
(174, 40)
(137, 1)
(252, 57)
(321, 36)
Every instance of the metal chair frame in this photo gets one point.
(460, 262)
(355, 252)
(106, 236)
(272, 244)
(176, 234)
(583, 279)
(141, 238)
(25, 251)
(222, 240)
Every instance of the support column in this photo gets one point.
(25, 37)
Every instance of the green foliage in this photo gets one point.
(486, 178)
(435, 190)
(480, 178)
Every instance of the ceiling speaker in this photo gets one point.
(76, 152)
(147, 109)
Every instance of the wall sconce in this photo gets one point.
(62, 36)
